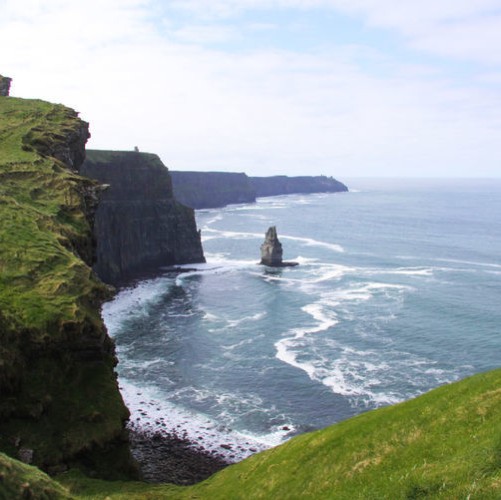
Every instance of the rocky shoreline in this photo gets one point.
(167, 457)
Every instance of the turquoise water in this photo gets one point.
(398, 291)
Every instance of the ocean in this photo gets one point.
(397, 291)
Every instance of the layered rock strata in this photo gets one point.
(140, 226)
(60, 405)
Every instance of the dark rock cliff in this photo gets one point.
(5, 85)
(139, 225)
(60, 405)
(218, 189)
(212, 189)
(282, 184)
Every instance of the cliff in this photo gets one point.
(60, 405)
(139, 225)
(282, 184)
(212, 189)
(218, 189)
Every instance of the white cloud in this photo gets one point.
(274, 111)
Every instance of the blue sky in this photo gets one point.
(334, 87)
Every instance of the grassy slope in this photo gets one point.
(41, 279)
(18, 480)
(444, 444)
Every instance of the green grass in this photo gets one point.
(445, 444)
(18, 480)
(43, 280)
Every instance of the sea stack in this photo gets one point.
(271, 250)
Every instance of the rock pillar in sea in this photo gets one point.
(271, 249)
(5, 85)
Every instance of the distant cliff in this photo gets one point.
(218, 189)
(139, 226)
(212, 189)
(59, 401)
(282, 184)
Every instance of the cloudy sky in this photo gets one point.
(336, 87)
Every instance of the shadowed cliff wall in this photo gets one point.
(212, 189)
(218, 189)
(139, 226)
(282, 184)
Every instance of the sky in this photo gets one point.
(345, 88)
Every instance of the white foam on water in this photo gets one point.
(210, 317)
(237, 322)
(327, 272)
(350, 374)
(286, 347)
(216, 218)
(305, 260)
(218, 233)
(409, 271)
(470, 262)
(315, 243)
(217, 265)
(132, 302)
(150, 412)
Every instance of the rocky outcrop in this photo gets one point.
(271, 250)
(5, 85)
(212, 189)
(60, 405)
(140, 226)
(282, 184)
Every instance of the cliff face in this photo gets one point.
(212, 189)
(218, 189)
(60, 405)
(281, 184)
(139, 226)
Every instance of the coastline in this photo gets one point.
(167, 457)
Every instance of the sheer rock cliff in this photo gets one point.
(212, 189)
(218, 189)
(140, 226)
(282, 184)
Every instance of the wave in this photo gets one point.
(218, 233)
(237, 322)
(133, 302)
(302, 350)
(151, 412)
(316, 243)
